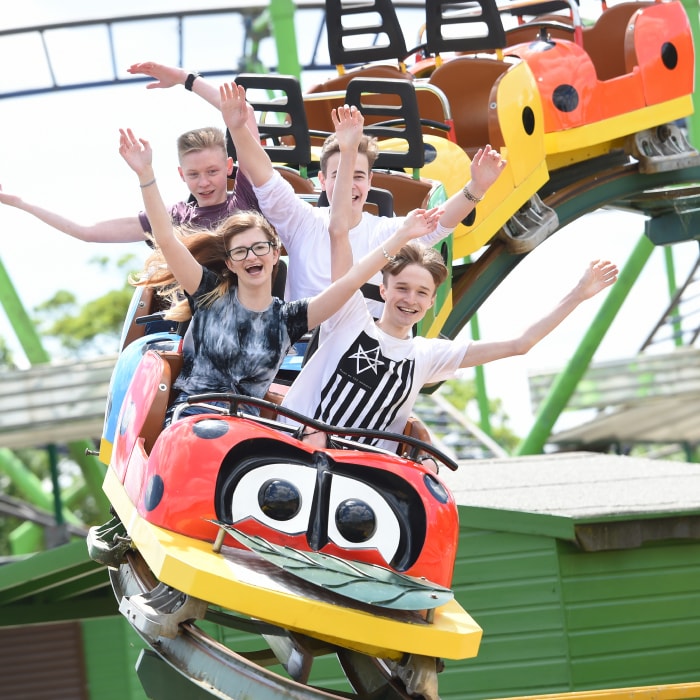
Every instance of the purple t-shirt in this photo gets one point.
(190, 213)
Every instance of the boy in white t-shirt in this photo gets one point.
(367, 374)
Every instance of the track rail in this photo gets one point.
(614, 181)
(226, 674)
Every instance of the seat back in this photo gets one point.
(448, 27)
(407, 192)
(286, 137)
(556, 27)
(275, 394)
(415, 428)
(471, 108)
(390, 108)
(142, 304)
(379, 201)
(322, 98)
(301, 184)
(605, 42)
(153, 424)
(374, 21)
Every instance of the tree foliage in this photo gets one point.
(461, 393)
(93, 327)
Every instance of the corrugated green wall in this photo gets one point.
(633, 616)
(510, 585)
(557, 619)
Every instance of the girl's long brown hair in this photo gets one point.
(209, 248)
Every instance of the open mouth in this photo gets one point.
(255, 269)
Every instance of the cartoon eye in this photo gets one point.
(362, 518)
(280, 503)
(279, 499)
(355, 520)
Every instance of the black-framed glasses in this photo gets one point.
(258, 249)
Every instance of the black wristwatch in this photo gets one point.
(190, 79)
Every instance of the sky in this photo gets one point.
(60, 151)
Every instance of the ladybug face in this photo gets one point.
(311, 502)
(322, 505)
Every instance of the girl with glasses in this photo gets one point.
(239, 332)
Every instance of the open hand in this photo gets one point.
(136, 152)
(166, 76)
(348, 122)
(420, 222)
(486, 166)
(599, 275)
(234, 107)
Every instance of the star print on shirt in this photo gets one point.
(367, 360)
(367, 388)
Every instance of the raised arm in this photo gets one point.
(486, 166)
(168, 76)
(252, 157)
(123, 230)
(418, 223)
(598, 276)
(137, 154)
(348, 122)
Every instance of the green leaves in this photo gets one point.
(367, 583)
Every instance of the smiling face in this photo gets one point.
(361, 182)
(407, 297)
(205, 173)
(253, 269)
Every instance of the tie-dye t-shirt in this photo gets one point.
(229, 348)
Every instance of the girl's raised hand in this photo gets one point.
(599, 275)
(136, 152)
(419, 222)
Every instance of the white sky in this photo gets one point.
(60, 150)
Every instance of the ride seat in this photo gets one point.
(379, 201)
(318, 107)
(301, 184)
(415, 428)
(605, 42)
(558, 27)
(275, 394)
(153, 424)
(408, 192)
(145, 304)
(472, 107)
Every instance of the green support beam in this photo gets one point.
(282, 20)
(19, 319)
(30, 486)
